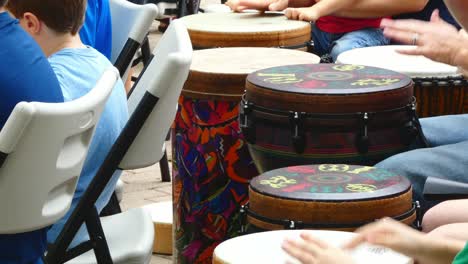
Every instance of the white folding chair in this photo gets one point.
(43, 148)
(130, 25)
(130, 234)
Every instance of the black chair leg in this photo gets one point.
(112, 207)
(164, 167)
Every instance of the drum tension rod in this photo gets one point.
(296, 120)
(246, 121)
(363, 137)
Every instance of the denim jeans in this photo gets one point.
(334, 44)
(447, 156)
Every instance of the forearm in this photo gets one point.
(439, 251)
(381, 8)
(328, 7)
(458, 10)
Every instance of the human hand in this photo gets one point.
(437, 39)
(310, 250)
(303, 13)
(262, 5)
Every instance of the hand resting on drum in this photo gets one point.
(306, 10)
(437, 39)
(388, 233)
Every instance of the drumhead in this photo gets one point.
(328, 88)
(248, 29)
(221, 72)
(330, 183)
(265, 247)
(241, 22)
(387, 57)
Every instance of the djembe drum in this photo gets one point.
(211, 162)
(439, 88)
(326, 196)
(212, 30)
(327, 113)
(265, 247)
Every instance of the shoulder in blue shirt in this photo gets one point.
(25, 75)
(97, 28)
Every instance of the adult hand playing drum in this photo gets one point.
(212, 165)
(250, 29)
(439, 88)
(265, 247)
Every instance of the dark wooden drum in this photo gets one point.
(210, 30)
(327, 196)
(327, 113)
(439, 88)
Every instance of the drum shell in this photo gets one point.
(339, 213)
(211, 162)
(202, 38)
(441, 96)
(327, 196)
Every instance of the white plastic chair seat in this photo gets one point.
(129, 235)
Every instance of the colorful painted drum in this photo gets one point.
(265, 247)
(439, 88)
(327, 196)
(211, 162)
(327, 113)
(251, 29)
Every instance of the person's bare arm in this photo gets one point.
(459, 9)
(381, 8)
(320, 9)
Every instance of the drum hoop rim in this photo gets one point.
(301, 225)
(357, 115)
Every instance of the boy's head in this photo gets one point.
(3, 3)
(60, 16)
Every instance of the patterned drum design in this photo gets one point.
(247, 29)
(328, 196)
(439, 88)
(327, 113)
(211, 162)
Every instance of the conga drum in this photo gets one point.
(211, 162)
(265, 247)
(439, 88)
(326, 196)
(327, 113)
(251, 29)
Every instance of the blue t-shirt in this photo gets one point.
(78, 70)
(97, 28)
(426, 13)
(25, 75)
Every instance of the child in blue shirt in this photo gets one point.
(25, 75)
(54, 24)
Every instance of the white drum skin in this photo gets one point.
(265, 247)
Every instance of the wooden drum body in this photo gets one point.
(265, 247)
(212, 165)
(439, 88)
(210, 30)
(327, 196)
(327, 113)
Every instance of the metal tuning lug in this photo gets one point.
(297, 131)
(362, 140)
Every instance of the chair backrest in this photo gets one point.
(45, 146)
(130, 24)
(164, 78)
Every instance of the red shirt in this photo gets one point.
(333, 24)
